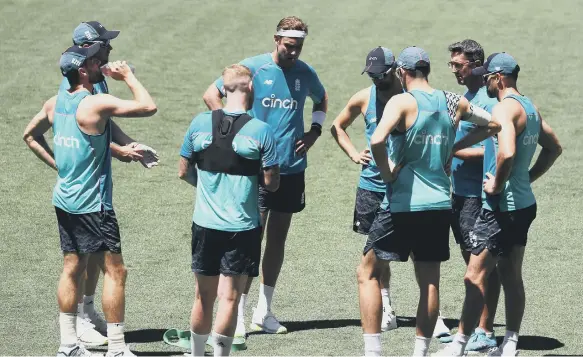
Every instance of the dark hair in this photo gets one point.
(73, 78)
(425, 70)
(470, 48)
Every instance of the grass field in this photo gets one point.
(178, 48)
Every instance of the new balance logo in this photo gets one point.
(68, 142)
(297, 85)
(268, 82)
(76, 62)
(88, 35)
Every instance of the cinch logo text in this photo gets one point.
(273, 102)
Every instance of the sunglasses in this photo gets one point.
(487, 75)
(457, 65)
(379, 76)
(103, 44)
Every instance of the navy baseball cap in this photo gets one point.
(91, 31)
(379, 60)
(74, 57)
(498, 63)
(413, 58)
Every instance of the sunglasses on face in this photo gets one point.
(379, 76)
(457, 65)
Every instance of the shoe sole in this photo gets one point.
(92, 344)
(257, 328)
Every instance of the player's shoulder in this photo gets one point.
(360, 97)
(201, 121)
(255, 62)
(303, 67)
(257, 126)
(403, 99)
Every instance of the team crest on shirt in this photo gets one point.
(297, 85)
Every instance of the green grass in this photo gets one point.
(178, 48)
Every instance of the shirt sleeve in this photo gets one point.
(317, 90)
(268, 148)
(187, 148)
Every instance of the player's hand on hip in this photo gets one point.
(490, 184)
(305, 143)
(363, 157)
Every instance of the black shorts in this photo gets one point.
(289, 198)
(501, 231)
(465, 211)
(88, 232)
(423, 234)
(365, 207)
(217, 252)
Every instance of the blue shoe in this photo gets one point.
(480, 342)
(446, 339)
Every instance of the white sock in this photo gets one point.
(489, 334)
(386, 300)
(265, 296)
(421, 345)
(80, 310)
(459, 343)
(68, 326)
(88, 305)
(241, 309)
(222, 344)
(510, 343)
(197, 343)
(115, 337)
(372, 344)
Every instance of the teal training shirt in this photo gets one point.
(517, 193)
(466, 176)
(83, 161)
(370, 178)
(229, 202)
(279, 98)
(422, 183)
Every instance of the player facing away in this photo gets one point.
(91, 327)
(282, 83)
(415, 214)
(229, 150)
(371, 188)
(466, 180)
(83, 193)
(508, 203)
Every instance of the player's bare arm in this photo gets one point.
(271, 178)
(551, 150)
(187, 171)
(34, 133)
(486, 124)
(213, 97)
(355, 107)
(507, 114)
(393, 118)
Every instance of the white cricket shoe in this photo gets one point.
(88, 335)
(266, 322)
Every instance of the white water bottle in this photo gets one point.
(107, 71)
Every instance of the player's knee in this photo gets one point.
(228, 298)
(117, 272)
(474, 277)
(366, 271)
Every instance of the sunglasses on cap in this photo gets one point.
(487, 75)
(379, 76)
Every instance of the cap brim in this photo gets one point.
(109, 35)
(92, 50)
(479, 71)
(376, 69)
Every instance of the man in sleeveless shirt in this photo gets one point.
(83, 194)
(415, 214)
(508, 204)
(282, 84)
(91, 327)
(231, 152)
